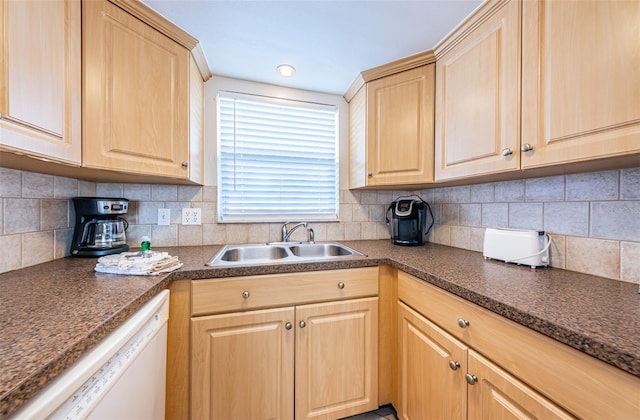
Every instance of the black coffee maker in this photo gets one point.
(410, 219)
(99, 228)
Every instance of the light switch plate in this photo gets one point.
(191, 216)
(164, 217)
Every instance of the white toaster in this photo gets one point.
(526, 247)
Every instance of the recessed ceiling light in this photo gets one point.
(286, 70)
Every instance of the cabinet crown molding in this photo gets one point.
(397, 66)
(152, 18)
(469, 24)
(479, 15)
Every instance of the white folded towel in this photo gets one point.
(148, 263)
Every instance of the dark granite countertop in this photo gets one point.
(53, 312)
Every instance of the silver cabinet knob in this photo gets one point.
(302, 324)
(506, 152)
(246, 294)
(288, 326)
(341, 285)
(471, 379)
(463, 323)
(369, 174)
(185, 164)
(454, 365)
(526, 147)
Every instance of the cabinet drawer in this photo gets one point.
(580, 383)
(252, 292)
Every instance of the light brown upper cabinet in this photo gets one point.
(136, 110)
(477, 126)
(580, 80)
(391, 130)
(40, 83)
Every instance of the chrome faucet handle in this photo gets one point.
(286, 234)
(312, 236)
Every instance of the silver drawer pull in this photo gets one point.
(288, 326)
(302, 324)
(341, 285)
(245, 294)
(454, 365)
(463, 323)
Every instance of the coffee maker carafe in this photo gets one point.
(99, 228)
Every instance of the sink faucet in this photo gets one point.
(287, 233)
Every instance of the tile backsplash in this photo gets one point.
(36, 217)
(593, 218)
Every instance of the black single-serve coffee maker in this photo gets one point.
(99, 228)
(410, 219)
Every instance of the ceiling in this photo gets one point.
(329, 42)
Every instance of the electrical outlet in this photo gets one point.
(191, 216)
(164, 217)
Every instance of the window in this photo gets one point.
(277, 160)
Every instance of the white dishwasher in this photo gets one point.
(123, 377)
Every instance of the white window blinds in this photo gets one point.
(277, 160)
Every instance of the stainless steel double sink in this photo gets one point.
(280, 252)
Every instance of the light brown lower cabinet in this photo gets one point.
(429, 389)
(497, 395)
(250, 365)
(305, 345)
(242, 365)
(336, 359)
(441, 378)
(303, 361)
(458, 360)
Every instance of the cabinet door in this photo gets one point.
(136, 95)
(498, 395)
(580, 80)
(336, 359)
(431, 367)
(242, 365)
(400, 128)
(40, 83)
(478, 99)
